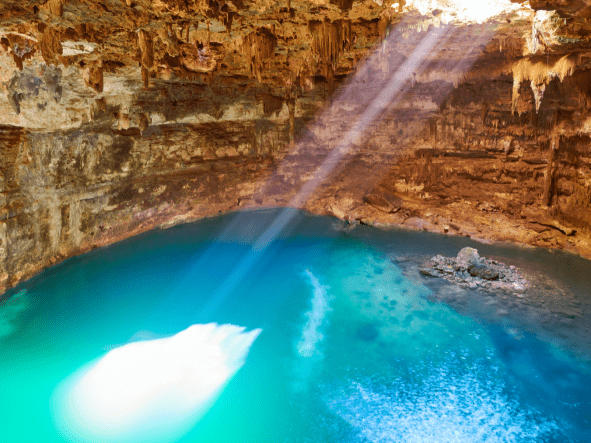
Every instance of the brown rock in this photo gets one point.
(50, 45)
(197, 59)
(93, 77)
(146, 48)
(55, 7)
(383, 200)
(446, 143)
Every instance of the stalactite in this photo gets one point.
(146, 78)
(330, 40)
(146, 48)
(271, 104)
(291, 105)
(169, 38)
(50, 46)
(484, 111)
(227, 19)
(17, 61)
(21, 46)
(433, 130)
(93, 76)
(540, 72)
(259, 46)
(187, 31)
(144, 121)
(55, 7)
(548, 181)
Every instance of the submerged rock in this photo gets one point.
(368, 332)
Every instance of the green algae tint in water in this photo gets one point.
(351, 349)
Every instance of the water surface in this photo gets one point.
(356, 346)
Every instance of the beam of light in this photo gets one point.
(157, 390)
(465, 10)
(383, 94)
(389, 88)
(151, 391)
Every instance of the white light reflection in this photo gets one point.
(311, 332)
(151, 391)
(465, 10)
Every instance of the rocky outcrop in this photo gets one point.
(469, 270)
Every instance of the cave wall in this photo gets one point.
(119, 117)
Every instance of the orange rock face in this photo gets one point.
(117, 117)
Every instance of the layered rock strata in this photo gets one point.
(120, 116)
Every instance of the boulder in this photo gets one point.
(483, 271)
(430, 272)
(383, 200)
(467, 257)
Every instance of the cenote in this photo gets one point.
(336, 338)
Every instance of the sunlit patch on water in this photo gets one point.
(448, 405)
(316, 318)
(154, 390)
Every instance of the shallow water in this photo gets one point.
(355, 346)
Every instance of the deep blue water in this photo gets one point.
(355, 346)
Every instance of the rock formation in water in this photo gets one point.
(118, 116)
(469, 270)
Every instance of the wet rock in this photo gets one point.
(31, 88)
(467, 257)
(469, 270)
(483, 271)
(430, 272)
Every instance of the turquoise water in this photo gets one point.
(355, 345)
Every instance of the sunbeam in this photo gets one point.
(389, 92)
(129, 413)
(153, 390)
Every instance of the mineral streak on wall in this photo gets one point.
(120, 116)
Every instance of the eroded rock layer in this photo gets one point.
(118, 116)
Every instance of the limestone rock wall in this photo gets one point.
(120, 116)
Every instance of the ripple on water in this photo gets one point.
(357, 349)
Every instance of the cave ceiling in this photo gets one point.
(97, 55)
(94, 55)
